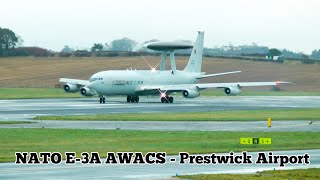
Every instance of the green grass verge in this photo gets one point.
(312, 173)
(30, 93)
(15, 122)
(102, 141)
(248, 115)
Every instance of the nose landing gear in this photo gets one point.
(102, 100)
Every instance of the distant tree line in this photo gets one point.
(124, 46)
(9, 41)
(315, 54)
(31, 51)
(10, 45)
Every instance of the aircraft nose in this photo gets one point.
(90, 86)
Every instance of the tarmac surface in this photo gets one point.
(25, 109)
(28, 108)
(144, 171)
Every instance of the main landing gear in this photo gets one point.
(132, 98)
(167, 99)
(102, 100)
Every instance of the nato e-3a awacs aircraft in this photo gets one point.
(135, 83)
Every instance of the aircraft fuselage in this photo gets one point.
(127, 82)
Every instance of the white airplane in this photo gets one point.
(135, 83)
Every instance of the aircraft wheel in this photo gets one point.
(163, 99)
(103, 100)
(137, 99)
(171, 99)
(166, 99)
(133, 99)
(100, 100)
(129, 98)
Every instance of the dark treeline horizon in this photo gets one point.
(11, 45)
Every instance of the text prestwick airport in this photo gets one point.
(158, 158)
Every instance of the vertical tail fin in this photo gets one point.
(195, 61)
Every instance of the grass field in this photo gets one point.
(312, 173)
(15, 122)
(243, 115)
(45, 72)
(102, 141)
(28, 93)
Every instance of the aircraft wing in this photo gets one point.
(78, 82)
(181, 87)
(241, 84)
(156, 89)
(217, 74)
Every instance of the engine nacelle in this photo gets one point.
(87, 92)
(70, 88)
(233, 90)
(188, 93)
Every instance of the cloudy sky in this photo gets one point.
(291, 24)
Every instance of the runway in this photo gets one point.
(143, 171)
(29, 108)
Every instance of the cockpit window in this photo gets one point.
(93, 79)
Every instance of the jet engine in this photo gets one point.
(188, 93)
(87, 92)
(70, 88)
(233, 90)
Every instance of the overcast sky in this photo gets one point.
(291, 24)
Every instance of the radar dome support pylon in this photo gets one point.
(163, 61)
(168, 48)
